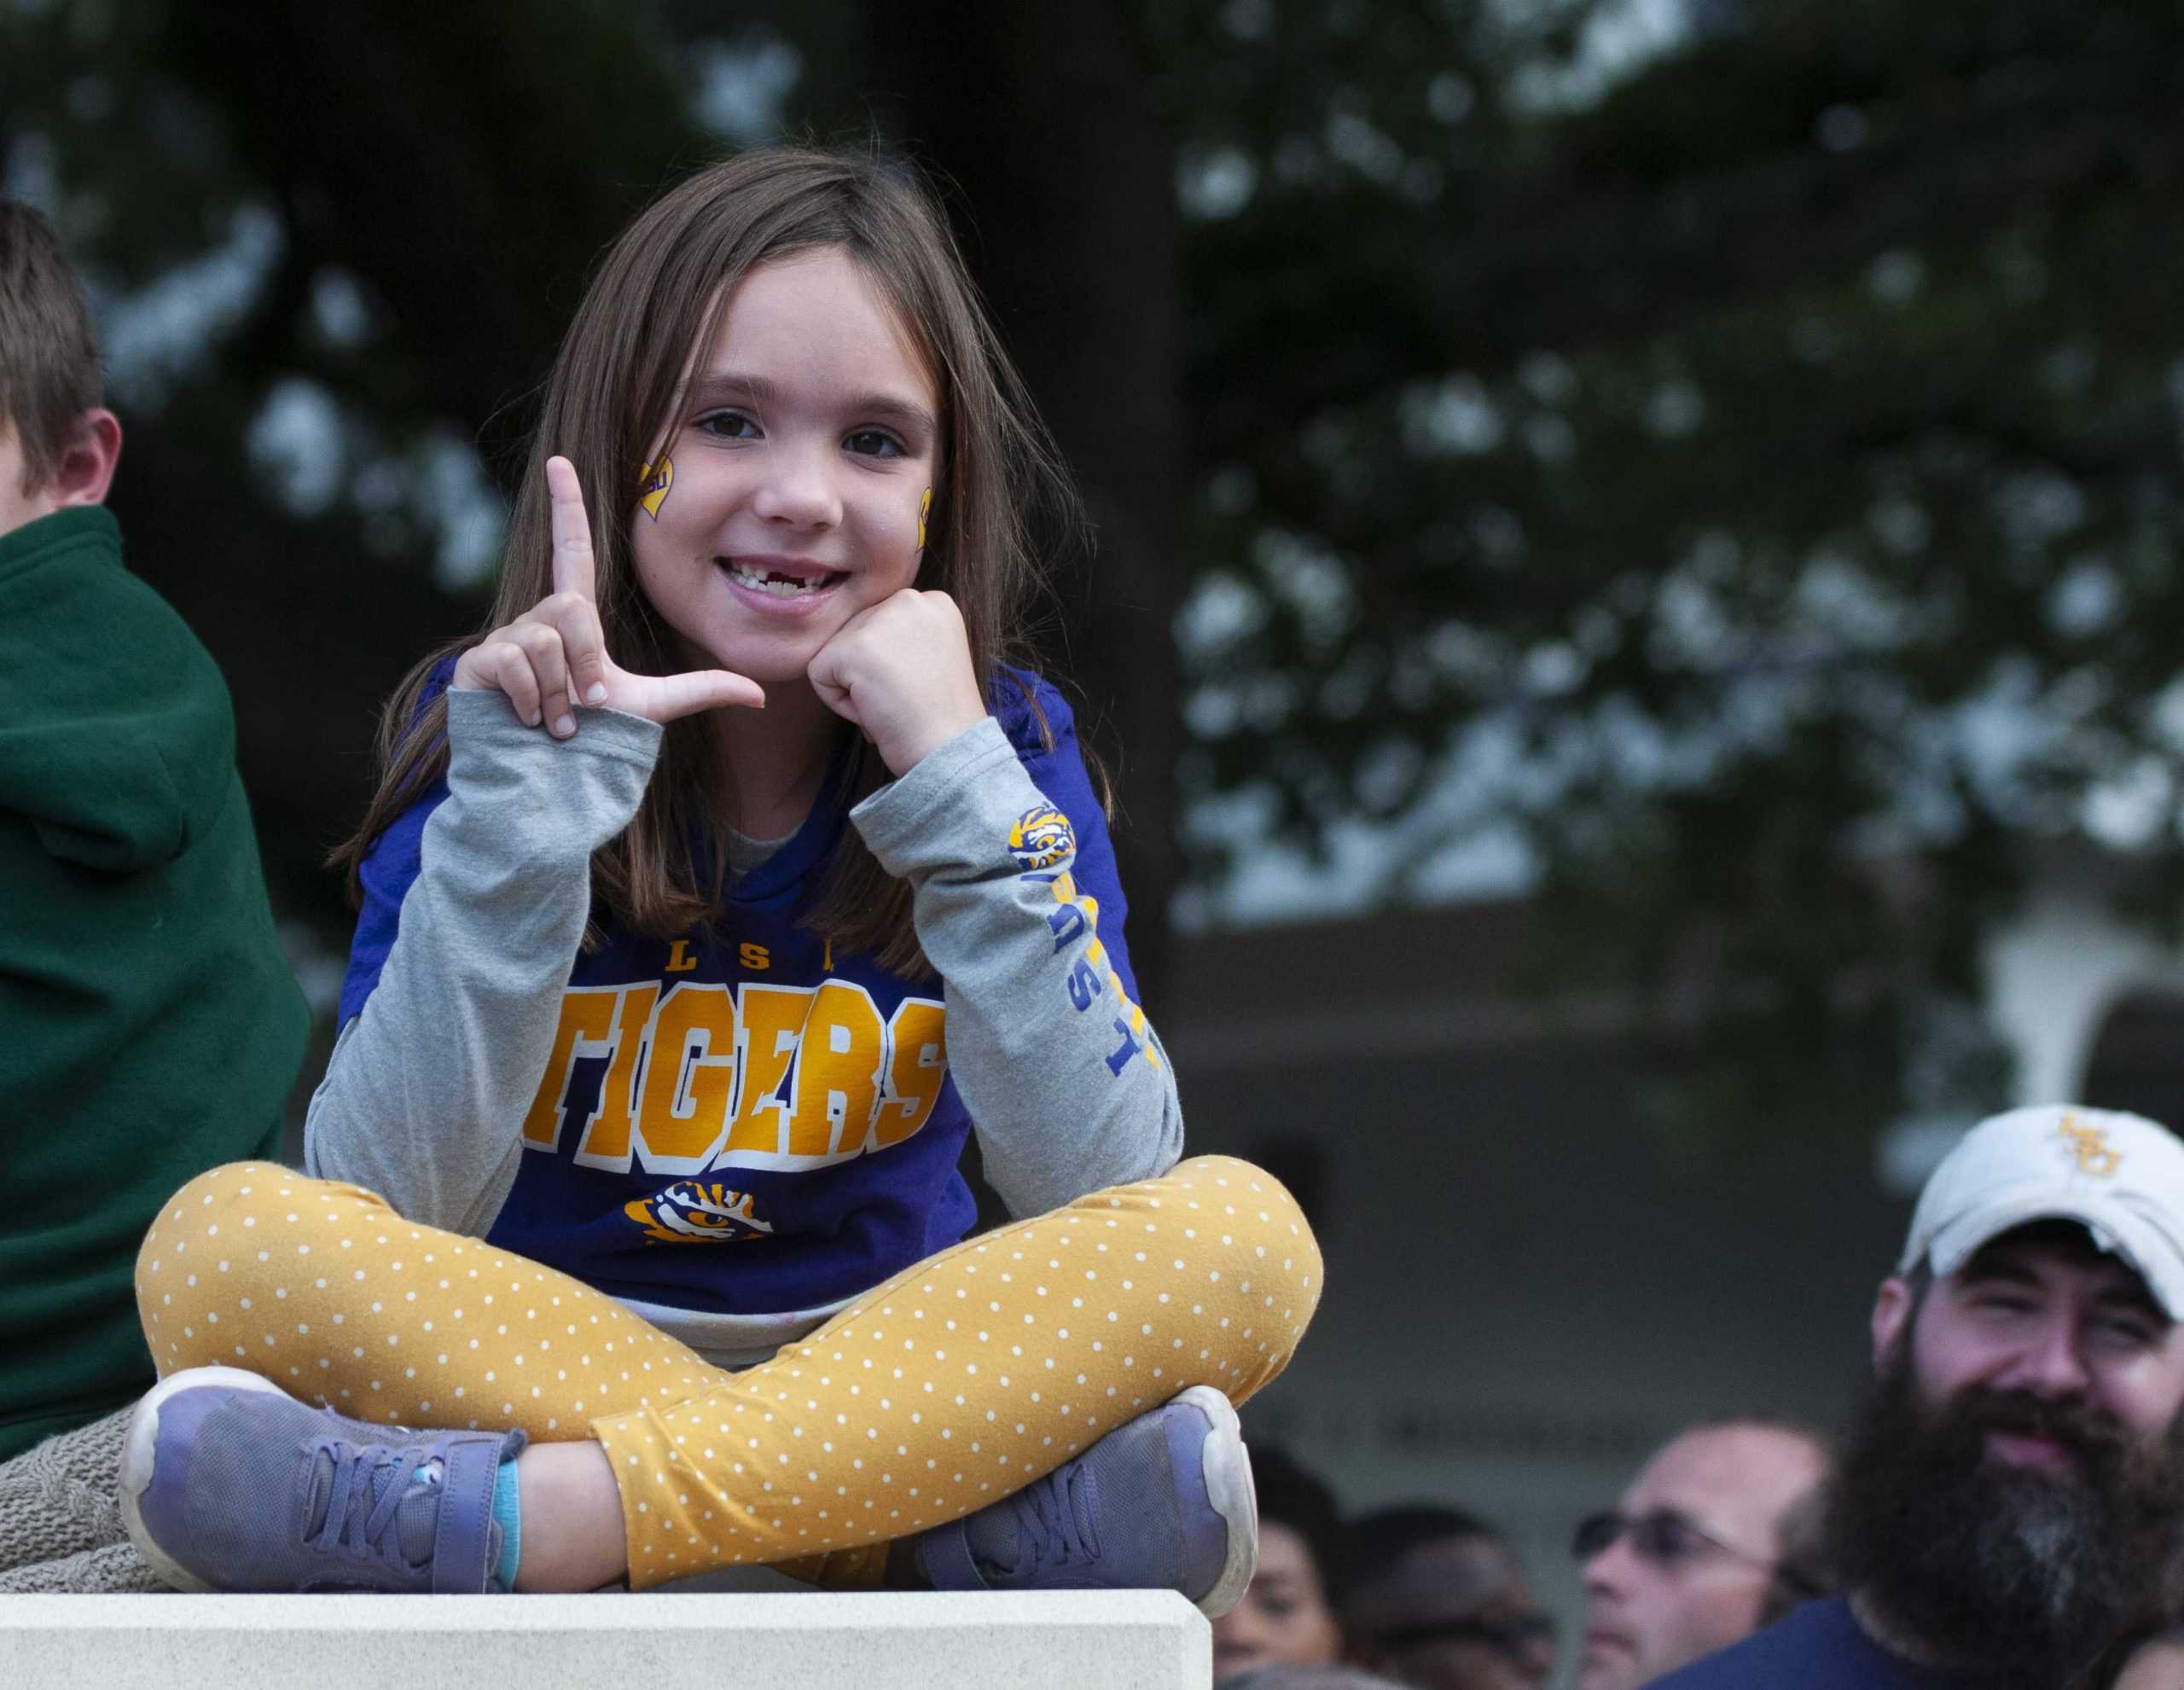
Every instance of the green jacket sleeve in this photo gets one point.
(117, 739)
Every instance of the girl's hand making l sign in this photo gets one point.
(554, 656)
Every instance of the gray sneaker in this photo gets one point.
(229, 1484)
(1164, 1503)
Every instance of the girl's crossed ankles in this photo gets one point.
(956, 1383)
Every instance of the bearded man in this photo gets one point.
(2009, 1505)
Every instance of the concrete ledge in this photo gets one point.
(1064, 1641)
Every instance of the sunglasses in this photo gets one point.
(1518, 1635)
(1669, 1538)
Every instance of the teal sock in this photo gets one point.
(508, 1515)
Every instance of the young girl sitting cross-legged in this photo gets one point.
(708, 900)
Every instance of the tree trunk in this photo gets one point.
(1040, 119)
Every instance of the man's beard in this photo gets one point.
(2024, 1573)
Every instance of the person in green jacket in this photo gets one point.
(150, 1027)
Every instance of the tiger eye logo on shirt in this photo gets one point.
(653, 479)
(691, 1212)
(1041, 837)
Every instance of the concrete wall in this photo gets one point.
(1078, 1641)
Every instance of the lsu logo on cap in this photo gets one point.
(2090, 1146)
(1041, 837)
(690, 1212)
(653, 479)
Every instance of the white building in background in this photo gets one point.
(2083, 998)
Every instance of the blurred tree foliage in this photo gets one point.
(1748, 493)
(1730, 478)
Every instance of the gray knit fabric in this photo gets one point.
(115, 1570)
(61, 1527)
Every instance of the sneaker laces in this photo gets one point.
(1051, 1529)
(361, 1517)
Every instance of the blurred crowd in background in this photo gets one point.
(1718, 1535)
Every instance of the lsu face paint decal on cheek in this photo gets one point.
(653, 479)
(925, 509)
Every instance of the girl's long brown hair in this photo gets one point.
(657, 297)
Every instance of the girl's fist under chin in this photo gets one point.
(900, 671)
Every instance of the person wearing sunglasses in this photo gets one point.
(1714, 1538)
(1435, 1599)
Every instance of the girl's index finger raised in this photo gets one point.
(572, 560)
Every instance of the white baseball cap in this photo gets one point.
(2120, 1176)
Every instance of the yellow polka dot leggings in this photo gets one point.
(955, 1383)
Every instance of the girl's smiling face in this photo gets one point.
(803, 445)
